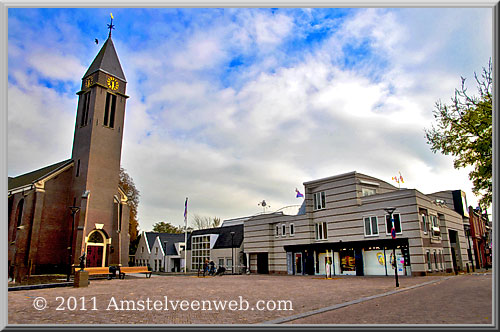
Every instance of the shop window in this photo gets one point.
(347, 260)
(321, 231)
(371, 226)
(319, 200)
(221, 262)
(435, 261)
(397, 223)
(428, 256)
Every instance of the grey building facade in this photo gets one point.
(343, 221)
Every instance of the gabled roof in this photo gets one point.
(170, 238)
(29, 178)
(224, 239)
(107, 61)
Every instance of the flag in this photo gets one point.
(298, 193)
(111, 14)
(401, 177)
(393, 233)
(395, 178)
(185, 209)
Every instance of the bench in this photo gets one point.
(134, 269)
(100, 271)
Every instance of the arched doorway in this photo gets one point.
(96, 249)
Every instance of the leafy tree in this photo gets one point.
(128, 186)
(205, 222)
(464, 130)
(166, 227)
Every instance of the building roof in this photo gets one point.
(170, 238)
(107, 61)
(29, 178)
(224, 239)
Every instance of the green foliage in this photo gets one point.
(128, 186)
(166, 227)
(464, 130)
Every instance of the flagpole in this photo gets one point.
(185, 236)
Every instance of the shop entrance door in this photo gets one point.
(262, 263)
(298, 263)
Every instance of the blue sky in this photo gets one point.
(230, 106)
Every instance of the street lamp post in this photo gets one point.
(74, 211)
(390, 211)
(232, 252)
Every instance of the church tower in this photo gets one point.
(101, 228)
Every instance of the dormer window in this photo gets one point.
(319, 200)
(368, 191)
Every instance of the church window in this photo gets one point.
(20, 212)
(109, 111)
(96, 237)
(78, 168)
(85, 109)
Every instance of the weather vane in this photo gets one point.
(111, 26)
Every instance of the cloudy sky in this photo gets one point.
(230, 107)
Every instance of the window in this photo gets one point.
(156, 251)
(200, 248)
(283, 230)
(319, 200)
(435, 261)
(85, 109)
(429, 266)
(292, 230)
(321, 231)
(371, 227)
(424, 223)
(142, 249)
(435, 225)
(397, 223)
(78, 168)
(368, 191)
(277, 230)
(229, 263)
(221, 262)
(442, 261)
(109, 111)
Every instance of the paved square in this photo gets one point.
(306, 293)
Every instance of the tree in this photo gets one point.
(464, 130)
(128, 186)
(166, 227)
(205, 222)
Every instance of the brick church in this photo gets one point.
(76, 206)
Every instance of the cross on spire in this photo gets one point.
(111, 26)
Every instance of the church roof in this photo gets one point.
(107, 61)
(29, 178)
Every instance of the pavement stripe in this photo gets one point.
(345, 304)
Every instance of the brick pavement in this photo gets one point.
(465, 299)
(305, 292)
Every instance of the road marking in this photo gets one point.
(346, 304)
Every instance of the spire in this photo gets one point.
(107, 58)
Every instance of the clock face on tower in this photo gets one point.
(112, 83)
(89, 81)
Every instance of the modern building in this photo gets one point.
(344, 220)
(59, 212)
(222, 245)
(161, 251)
